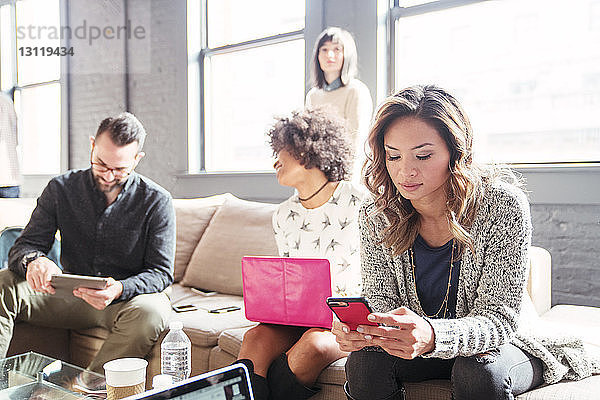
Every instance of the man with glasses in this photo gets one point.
(113, 223)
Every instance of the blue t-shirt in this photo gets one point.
(432, 266)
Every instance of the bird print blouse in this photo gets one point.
(329, 231)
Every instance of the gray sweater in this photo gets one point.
(491, 284)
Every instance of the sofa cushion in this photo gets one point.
(429, 390)
(192, 216)
(203, 328)
(219, 358)
(230, 340)
(335, 374)
(585, 389)
(237, 229)
(578, 321)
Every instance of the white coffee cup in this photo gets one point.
(125, 377)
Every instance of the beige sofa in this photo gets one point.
(212, 235)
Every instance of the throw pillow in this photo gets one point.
(192, 218)
(237, 229)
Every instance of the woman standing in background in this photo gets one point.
(334, 71)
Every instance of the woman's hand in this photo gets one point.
(348, 340)
(406, 335)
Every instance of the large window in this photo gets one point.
(246, 66)
(527, 71)
(33, 77)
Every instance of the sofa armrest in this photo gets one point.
(539, 284)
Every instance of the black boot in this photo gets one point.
(260, 387)
(283, 383)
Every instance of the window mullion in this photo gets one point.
(252, 44)
(440, 5)
(201, 73)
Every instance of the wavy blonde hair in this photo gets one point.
(442, 111)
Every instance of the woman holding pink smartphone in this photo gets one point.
(444, 245)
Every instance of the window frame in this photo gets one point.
(197, 118)
(396, 12)
(33, 180)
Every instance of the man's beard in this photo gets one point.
(107, 188)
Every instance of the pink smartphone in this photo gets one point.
(352, 311)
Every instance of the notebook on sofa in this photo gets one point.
(231, 382)
(287, 290)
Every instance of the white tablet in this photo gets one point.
(64, 284)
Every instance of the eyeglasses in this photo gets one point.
(118, 173)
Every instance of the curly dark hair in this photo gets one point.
(316, 138)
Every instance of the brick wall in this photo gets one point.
(93, 95)
(156, 90)
(571, 233)
(159, 97)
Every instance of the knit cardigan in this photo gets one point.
(491, 285)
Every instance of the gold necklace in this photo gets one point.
(444, 304)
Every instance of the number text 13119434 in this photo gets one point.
(46, 51)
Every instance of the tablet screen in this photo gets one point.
(229, 383)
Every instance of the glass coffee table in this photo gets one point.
(35, 376)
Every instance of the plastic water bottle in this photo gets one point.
(176, 353)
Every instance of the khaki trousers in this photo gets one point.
(134, 325)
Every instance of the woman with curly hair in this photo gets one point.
(444, 247)
(314, 155)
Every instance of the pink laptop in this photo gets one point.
(287, 291)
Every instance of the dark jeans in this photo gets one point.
(378, 375)
(9, 191)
